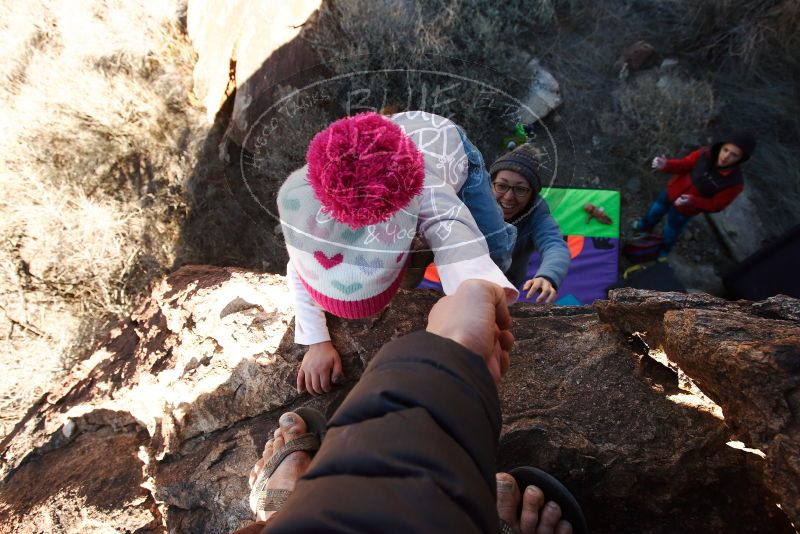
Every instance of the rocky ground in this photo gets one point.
(158, 428)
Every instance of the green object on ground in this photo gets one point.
(518, 138)
(567, 204)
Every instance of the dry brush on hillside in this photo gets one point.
(97, 138)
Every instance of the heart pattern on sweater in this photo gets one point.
(292, 204)
(347, 290)
(369, 268)
(326, 261)
(352, 235)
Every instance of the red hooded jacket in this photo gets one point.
(681, 184)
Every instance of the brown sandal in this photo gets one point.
(271, 500)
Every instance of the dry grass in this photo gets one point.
(97, 138)
(751, 32)
(474, 39)
(660, 114)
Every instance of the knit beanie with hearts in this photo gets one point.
(349, 215)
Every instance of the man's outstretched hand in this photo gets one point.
(476, 316)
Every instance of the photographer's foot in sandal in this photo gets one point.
(535, 516)
(285, 459)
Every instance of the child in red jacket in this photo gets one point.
(705, 181)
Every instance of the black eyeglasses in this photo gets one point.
(517, 190)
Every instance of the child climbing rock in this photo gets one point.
(705, 181)
(372, 185)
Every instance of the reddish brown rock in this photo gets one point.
(743, 355)
(200, 374)
(582, 403)
(637, 56)
(632, 310)
(89, 485)
(751, 367)
(747, 364)
(158, 429)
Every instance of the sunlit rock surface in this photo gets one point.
(159, 427)
(246, 46)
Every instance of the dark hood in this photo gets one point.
(744, 140)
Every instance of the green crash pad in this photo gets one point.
(566, 205)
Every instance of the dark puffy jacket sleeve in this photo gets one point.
(411, 449)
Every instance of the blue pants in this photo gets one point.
(478, 196)
(675, 224)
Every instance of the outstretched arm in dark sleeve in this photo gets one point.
(412, 448)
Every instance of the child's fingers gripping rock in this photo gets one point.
(321, 368)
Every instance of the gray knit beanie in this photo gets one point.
(523, 160)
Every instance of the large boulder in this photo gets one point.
(741, 225)
(246, 48)
(543, 95)
(159, 427)
(745, 356)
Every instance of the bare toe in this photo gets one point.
(293, 466)
(507, 499)
(255, 471)
(269, 449)
(266, 454)
(291, 425)
(564, 527)
(532, 502)
(277, 444)
(549, 517)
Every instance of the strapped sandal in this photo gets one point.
(271, 500)
(553, 491)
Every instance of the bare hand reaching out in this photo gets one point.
(476, 316)
(659, 162)
(547, 293)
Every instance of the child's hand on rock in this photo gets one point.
(321, 368)
(547, 293)
(659, 162)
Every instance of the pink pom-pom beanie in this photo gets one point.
(349, 215)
